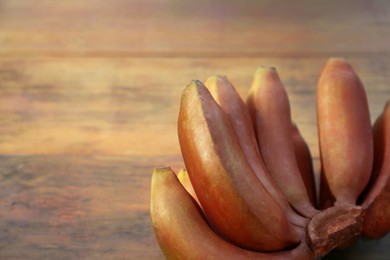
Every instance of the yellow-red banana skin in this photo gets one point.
(249, 166)
(345, 136)
(326, 198)
(184, 179)
(234, 200)
(182, 231)
(270, 110)
(377, 202)
(231, 103)
(305, 164)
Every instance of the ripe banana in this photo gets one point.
(184, 179)
(270, 109)
(231, 103)
(377, 220)
(345, 135)
(182, 230)
(326, 198)
(249, 168)
(305, 165)
(223, 180)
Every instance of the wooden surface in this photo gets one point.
(89, 97)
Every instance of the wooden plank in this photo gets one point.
(129, 106)
(75, 208)
(90, 92)
(67, 207)
(203, 28)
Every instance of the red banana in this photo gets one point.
(231, 103)
(377, 202)
(183, 233)
(346, 144)
(270, 109)
(305, 165)
(223, 180)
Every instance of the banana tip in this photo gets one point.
(216, 80)
(263, 68)
(161, 169)
(338, 62)
(264, 74)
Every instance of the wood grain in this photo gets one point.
(187, 28)
(75, 208)
(68, 207)
(89, 99)
(129, 106)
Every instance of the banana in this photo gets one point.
(326, 198)
(345, 137)
(184, 179)
(182, 231)
(234, 200)
(231, 103)
(377, 202)
(249, 168)
(305, 165)
(270, 110)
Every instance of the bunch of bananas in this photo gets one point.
(248, 191)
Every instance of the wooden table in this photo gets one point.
(89, 97)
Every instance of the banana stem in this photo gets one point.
(333, 227)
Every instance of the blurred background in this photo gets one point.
(89, 98)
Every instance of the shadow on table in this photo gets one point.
(364, 249)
